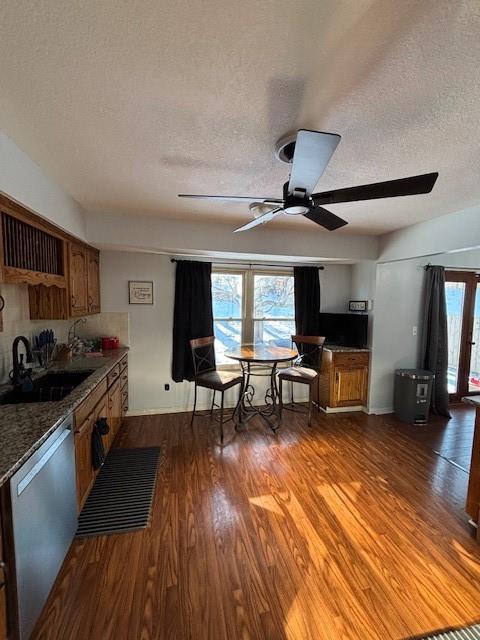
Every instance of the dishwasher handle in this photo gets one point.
(35, 470)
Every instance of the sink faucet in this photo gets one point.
(71, 331)
(19, 373)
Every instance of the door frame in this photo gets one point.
(471, 279)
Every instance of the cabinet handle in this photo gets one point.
(74, 301)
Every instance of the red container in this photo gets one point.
(110, 343)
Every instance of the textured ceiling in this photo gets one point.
(126, 104)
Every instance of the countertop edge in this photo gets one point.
(64, 411)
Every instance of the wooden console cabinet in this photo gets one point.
(105, 401)
(343, 379)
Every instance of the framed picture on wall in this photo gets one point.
(140, 292)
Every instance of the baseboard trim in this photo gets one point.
(358, 407)
(380, 411)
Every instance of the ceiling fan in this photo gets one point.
(309, 153)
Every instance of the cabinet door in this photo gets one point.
(83, 459)
(93, 281)
(114, 407)
(78, 280)
(350, 386)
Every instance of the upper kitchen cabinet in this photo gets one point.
(93, 281)
(31, 251)
(79, 267)
(62, 272)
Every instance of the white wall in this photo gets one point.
(22, 180)
(335, 283)
(192, 237)
(151, 326)
(453, 232)
(398, 308)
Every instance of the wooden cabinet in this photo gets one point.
(106, 401)
(344, 378)
(93, 281)
(62, 272)
(473, 495)
(83, 460)
(115, 407)
(78, 280)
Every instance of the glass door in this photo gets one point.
(463, 322)
(474, 374)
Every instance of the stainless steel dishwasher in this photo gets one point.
(44, 512)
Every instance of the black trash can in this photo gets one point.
(412, 393)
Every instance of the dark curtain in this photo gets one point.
(307, 300)
(434, 346)
(192, 316)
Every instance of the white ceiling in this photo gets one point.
(126, 104)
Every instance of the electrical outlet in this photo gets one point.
(167, 387)
(414, 331)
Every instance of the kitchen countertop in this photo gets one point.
(24, 427)
(474, 400)
(334, 347)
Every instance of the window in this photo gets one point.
(252, 306)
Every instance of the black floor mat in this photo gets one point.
(121, 498)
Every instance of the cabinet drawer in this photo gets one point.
(350, 359)
(123, 363)
(84, 410)
(113, 375)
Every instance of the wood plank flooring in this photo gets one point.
(350, 529)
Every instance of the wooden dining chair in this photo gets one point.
(209, 377)
(305, 370)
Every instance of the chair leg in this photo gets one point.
(194, 404)
(221, 418)
(280, 397)
(310, 403)
(237, 420)
(213, 403)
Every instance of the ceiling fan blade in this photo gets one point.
(273, 201)
(313, 150)
(260, 220)
(325, 218)
(389, 189)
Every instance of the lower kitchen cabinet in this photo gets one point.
(105, 401)
(344, 378)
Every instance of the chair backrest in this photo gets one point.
(203, 354)
(310, 349)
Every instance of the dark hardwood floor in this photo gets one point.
(350, 529)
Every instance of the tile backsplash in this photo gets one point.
(16, 321)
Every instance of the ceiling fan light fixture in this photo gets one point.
(259, 209)
(297, 210)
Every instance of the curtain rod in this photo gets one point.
(427, 266)
(257, 264)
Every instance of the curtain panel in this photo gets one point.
(434, 345)
(192, 316)
(307, 300)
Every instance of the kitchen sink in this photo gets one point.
(50, 387)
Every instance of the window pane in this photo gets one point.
(227, 295)
(277, 332)
(474, 376)
(454, 293)
(273, 297)
(228, 334)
